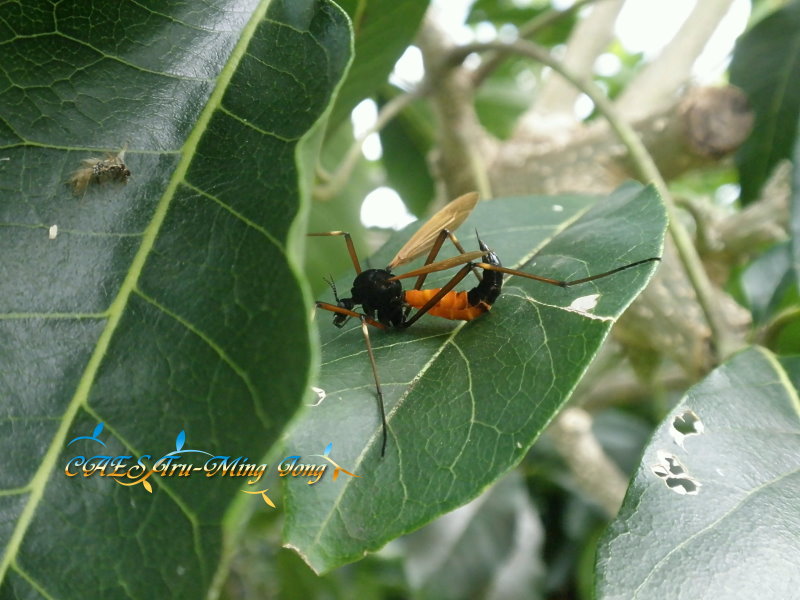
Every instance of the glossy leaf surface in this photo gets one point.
(465, 400)
(161, 306)
(735, 534)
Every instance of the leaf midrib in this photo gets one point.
(38, 483)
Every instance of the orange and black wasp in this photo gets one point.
(386, 305)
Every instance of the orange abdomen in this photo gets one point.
(453, 305)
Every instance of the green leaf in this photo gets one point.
(383, 30)
(766, 280)
(160, 305)
(464, 400)
(488, 548)
(738, 536)
(792, 366)
(766, 65)
(503, 11)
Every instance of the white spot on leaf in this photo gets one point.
(584, 303)
(321, 394)
(53, 232)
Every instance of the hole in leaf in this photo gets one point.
(676, 477)
(685, 424)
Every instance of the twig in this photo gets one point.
(464, 147)
(595, 473)
(647, 170)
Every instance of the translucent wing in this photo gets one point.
(450, 217)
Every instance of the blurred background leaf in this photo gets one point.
(766, 65)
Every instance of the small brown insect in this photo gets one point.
(112, 168)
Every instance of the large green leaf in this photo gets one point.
(160, 304)
(465, 401)
(736, 534)
(766, 65)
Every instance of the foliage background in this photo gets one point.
(185, 286)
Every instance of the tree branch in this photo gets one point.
(654, 88)
(336, 181)
(647, 170)
(595, 473)
(464, 149)
(554, 105)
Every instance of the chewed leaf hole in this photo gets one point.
(685, 486)
(685, 424)
(675, 476)
(688, 423)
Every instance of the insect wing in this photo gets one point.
(450, 217)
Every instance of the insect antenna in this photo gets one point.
(329, 281)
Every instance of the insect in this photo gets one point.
(112, 168)
(386, 305)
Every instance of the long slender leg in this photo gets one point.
(564, 283)
(365, 321)
(350, 313)
(437, 246)
(351, 249)
(381, 408)
(462, 272)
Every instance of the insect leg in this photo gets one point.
(350, 313)
(462, 272)
(351, 249)
(437, 246)
(381, 408)
(365, 320)
(569, 282)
